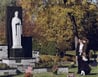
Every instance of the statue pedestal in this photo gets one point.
(16, 53)
(20, 64)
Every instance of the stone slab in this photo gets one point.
(3, 52)
(8, 72)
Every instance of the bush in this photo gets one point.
(74, 58)
(49, 60)
(45, 58)
(55, 59)
(65, 58)
(3, 66)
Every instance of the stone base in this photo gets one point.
(8, 72)
(20, 64)
(3, 51)
(16, 53)
(61, 70)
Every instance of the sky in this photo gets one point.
(95, 1)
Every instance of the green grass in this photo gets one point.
(49, 74)
(94, 73)
(71, 52)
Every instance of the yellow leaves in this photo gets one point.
(84, 2)
(57, 17)
(56, 9)
(73, 1)
(26, 4)
(67, 10)
(78, 11)
(92, 7)
(53, 22)
(45, 58)
(70, 2)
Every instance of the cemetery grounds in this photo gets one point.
(94, 71)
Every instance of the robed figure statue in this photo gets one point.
(16, 31)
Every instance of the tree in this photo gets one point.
(3, 6)
(51, 22)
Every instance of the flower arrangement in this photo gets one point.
(55, 69)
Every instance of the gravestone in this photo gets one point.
(3, 52)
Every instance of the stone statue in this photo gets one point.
(16, 31)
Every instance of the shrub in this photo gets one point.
(65, 58)
(45, 58)
(3, 66)
(74, 58)
(55, 59)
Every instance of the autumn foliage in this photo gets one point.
(49, 21)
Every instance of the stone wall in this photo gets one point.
(42, 70)
(63, 70)
(20, 64)
(3, 52)
(8, 72)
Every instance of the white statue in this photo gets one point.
(16, 31)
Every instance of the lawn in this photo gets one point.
(94, 73)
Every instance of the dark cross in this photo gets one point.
(74, 24)
(74, 28)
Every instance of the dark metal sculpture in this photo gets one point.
(74, 24)
(75, 32)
